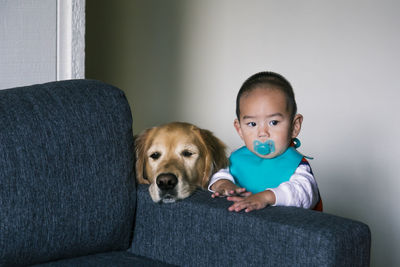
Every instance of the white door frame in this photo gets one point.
(70, 39)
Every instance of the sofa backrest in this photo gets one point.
(66, 171)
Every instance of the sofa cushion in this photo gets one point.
(66, 171)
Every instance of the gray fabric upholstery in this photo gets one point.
(120, 259)
(66, 171)
(200, 231)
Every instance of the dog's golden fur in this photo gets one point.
(176, 158)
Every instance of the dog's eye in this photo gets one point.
(155, 155)
(187, 153)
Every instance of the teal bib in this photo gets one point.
(257, 174)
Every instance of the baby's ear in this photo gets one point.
(296, 125)
(236, 124)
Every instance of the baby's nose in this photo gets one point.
(263, 131)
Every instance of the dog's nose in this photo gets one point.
(166, 181)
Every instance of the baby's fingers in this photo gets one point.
(235, 198)
(217, 194)
(245, 194)
(241, 205)
(240, 190)
(250, 208)
(223, 193)
(235, 207)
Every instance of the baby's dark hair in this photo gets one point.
(266, 79)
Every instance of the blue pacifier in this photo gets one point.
(265, 148)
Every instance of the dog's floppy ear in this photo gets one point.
(140, 146)
(215, 158)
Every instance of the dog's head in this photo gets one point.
(176, 158)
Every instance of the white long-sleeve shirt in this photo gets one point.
(300, 191)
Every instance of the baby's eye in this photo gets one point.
(251, 124)
(273, 123)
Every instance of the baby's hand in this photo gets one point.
(253, 202)
(224, 188)
(241, 192)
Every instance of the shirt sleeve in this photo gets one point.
(221, 174)
(300, 191)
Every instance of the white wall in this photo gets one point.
(186, 60)
(28, 40)
(41, 41)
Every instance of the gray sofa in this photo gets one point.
(68, 197)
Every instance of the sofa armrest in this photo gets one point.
(200, 231)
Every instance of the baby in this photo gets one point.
(268, 170)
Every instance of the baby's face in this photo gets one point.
(264, 117)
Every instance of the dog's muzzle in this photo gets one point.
(167, 182)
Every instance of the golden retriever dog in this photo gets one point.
(176, 158)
